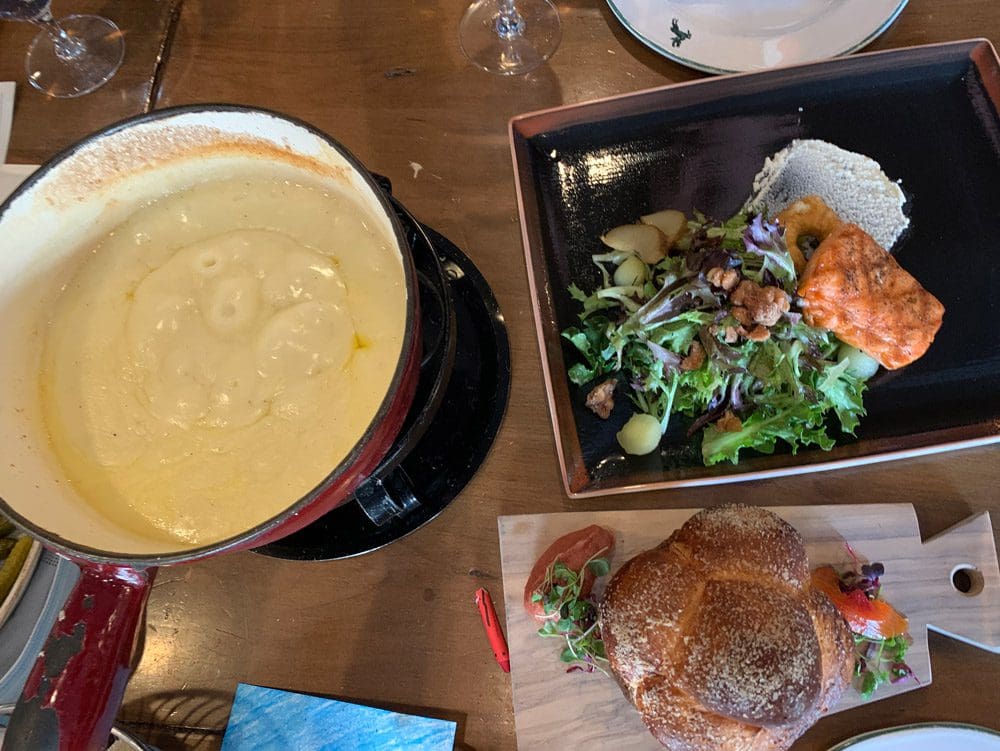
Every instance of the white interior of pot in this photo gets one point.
(45, 234)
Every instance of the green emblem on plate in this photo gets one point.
(679, 36)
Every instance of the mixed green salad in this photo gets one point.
(702, 320)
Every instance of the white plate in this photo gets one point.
(931, 736)
(23, 635)
(726, 36)
(21, 582)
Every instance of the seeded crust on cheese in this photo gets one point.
(852, 184)
(718, 639)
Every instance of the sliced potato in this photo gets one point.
(671, 222)
(640, 435)
(644, 240)
(631, 273)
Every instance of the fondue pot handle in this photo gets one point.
(383, 499)
(77, 684)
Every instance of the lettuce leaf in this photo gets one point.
(797, 423)
(782, 389)
(843, 393)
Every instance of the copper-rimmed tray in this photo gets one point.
(928, 115)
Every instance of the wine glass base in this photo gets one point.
(517, 51)
(59, 72)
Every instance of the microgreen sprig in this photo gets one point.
(572, 617)
(880, 661)
(876, 661)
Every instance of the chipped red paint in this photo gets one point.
(76, 686)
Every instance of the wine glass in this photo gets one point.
(69, 57)
(508, 38)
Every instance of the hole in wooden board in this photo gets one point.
(967, 579)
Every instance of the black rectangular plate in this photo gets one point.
(928, 115)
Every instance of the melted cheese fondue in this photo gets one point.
(219, 353)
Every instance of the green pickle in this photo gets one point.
(6, 545)
(12, 566)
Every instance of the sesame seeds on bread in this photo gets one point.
(719, 640)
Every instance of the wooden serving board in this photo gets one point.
(558, 710)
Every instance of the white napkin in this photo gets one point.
(12, 175)
(6, 116)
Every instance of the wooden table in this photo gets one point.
(398, 628)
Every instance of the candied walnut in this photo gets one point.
(742, 292)
(695, 357)
(758, 333)
(729, 423)
(727, 279)
(601, 398)
(764, 305)
(742, 315)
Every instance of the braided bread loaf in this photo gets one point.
(719, 640)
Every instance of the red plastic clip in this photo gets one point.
(493, 631)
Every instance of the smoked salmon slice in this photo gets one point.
(857, 290)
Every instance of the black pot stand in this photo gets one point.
(457, 410)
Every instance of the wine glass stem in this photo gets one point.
(510, 23)
(67, 48)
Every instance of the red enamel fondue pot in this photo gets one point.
(46, 229)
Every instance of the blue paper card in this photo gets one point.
(263, 719)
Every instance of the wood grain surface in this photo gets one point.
(43, 125)
(399, 628)
(558, 710)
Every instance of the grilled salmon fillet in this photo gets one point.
(854, 288)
